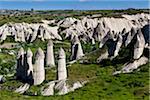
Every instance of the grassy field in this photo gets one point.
(102, 85)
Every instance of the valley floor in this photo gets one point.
(102, 85)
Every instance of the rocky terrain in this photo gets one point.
(36, 50)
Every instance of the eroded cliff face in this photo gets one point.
(98, 28)
(24, 32)
(115, 33)
(87, 29)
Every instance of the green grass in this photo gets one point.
(102, 85)
(92, 56)
(7, 63)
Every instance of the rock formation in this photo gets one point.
(2, 79)
(26, 71)
(41, 31)
(130, 36)
(62, 87)
(24, 66)
(22, 88)
(29, 66)
(39, 71)
(76, 49)
(24, 32)
(130, 66)
(67, 22)
(88, 28)
(20, 73)
(62, 71)
(100, 32)
(49, 90)
(139, 45)
(105, 39)
(118, 45)
(50, 54)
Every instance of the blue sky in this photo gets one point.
(72, 4)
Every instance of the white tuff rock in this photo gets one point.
(2, 79)
(50, 54)
(29, 66)
(24, 32)
(130, 66)
(76, 49)
(22, 88)
(139, 45)
(62, 71)
(39, 71)
(49, 90)
(98, 28)
(62, 87)
(130, 35)
(118, 46)
(67, 22)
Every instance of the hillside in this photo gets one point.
(104, 57)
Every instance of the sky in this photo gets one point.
(72, 4)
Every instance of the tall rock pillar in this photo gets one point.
(62, 72)
(50, 54)
(139, 45)
(76, 49)
(39, 71)
(29, 66)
